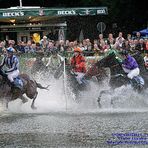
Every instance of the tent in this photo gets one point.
(144, 31)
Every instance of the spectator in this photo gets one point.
(119, 43)
(129, 37)
(138, 36)
(44, 43)
(88, 44)
(110, 40)
(84, 45)
(28, 48)
(61, 46)
(103, 47)
(50, 46)
(140, 46)
(132, 45)
(71, 47)
(2, 47)
(146, 45)
(146, 60)
(126, 45)
(19, 47)
(39, 48)
(96, 49)
(120, 36)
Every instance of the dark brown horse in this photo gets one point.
(29, 89)
(98, 73)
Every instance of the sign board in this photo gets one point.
(101, 27)
(8, 13)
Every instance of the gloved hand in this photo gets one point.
(5, 71)
(123, 65)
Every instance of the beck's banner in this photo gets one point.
(13, 13)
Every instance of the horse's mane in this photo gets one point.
(1, 77)
(106, 60)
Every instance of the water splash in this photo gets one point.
(55, 100)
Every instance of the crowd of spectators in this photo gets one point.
(96, 47)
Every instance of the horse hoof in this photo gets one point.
(99, 104)
(111, 102)
(33, 107)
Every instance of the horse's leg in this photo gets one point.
(100, 95)
(7, 102)
(99, 104)
(99, 98)
(32, 104)
(24, 99)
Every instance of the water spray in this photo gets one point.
(65, 84)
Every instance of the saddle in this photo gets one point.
(137, 82)
(18, 82)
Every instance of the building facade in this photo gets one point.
(21, 23)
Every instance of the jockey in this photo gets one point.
(146, 60)
(12, 64)
(129, 65)
(78, 64)
(55, 60)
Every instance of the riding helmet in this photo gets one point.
(124, 52)
(10, 50)
(77, 49)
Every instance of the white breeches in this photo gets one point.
(12, 75)
(79, 77)
(131, 73)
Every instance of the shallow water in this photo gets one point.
(69, 129)
(61, 122)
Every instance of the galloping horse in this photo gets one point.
(29, 88)
(118, 77)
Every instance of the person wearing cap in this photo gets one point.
(55, 60)
(129, 65)
(12, 64)
(78, 64)
(44, 43)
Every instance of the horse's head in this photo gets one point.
(110, 60)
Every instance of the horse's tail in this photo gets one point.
(41, 87)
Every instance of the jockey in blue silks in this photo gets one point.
(12, 64)
(130, 65)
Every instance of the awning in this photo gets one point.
(27, 12)
(144, 31)
(31, 18)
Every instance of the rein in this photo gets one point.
(114, 66)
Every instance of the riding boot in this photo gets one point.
(12, 84)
